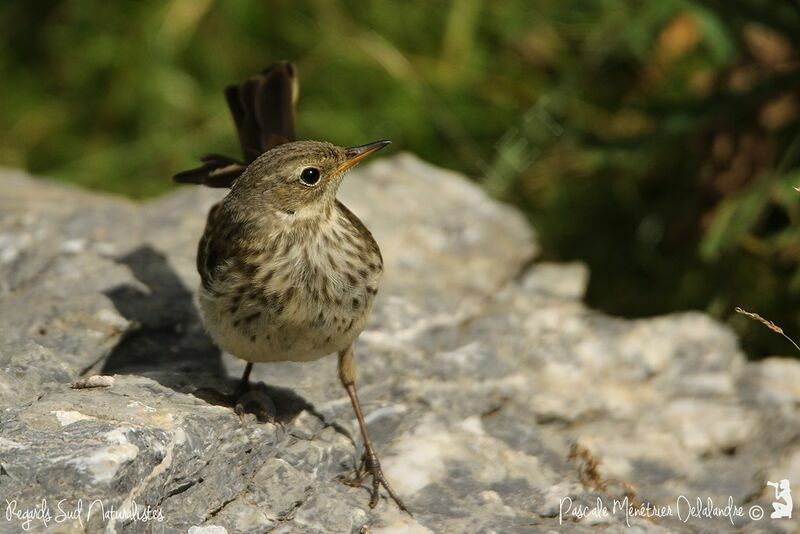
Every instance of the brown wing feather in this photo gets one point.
(263, 110)
(220, 249)
(208, 254)
(216, 171)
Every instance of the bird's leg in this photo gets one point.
(369, 461)
(244, 399)
(248, 397)
(244, 383)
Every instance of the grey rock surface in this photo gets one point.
(494, 395)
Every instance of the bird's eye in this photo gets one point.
(310, 176)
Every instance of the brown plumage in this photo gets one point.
(263, 110)
(290, 252)
(288, 273)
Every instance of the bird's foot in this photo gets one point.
(246, 399)
(254, 401)
(370, 466)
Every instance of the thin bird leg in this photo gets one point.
(244, 385)
(370, 462)
(241, 389)
(258, 401)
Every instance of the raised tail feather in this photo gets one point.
(263, 109)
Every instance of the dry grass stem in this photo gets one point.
(769, 324)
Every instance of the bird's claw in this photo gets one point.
(257, 403)
(371, 466)
(244, 400)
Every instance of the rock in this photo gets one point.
(499, 402)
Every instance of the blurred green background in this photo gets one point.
(659, 142)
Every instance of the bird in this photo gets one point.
(287, 271)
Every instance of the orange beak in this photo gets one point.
(356, 154)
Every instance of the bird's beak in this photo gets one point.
(356, 154)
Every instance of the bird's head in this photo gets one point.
(299, 178)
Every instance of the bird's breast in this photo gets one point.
(298, 296)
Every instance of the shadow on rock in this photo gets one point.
(283, 404)
(167, 338)
(168, 342)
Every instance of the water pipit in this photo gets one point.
(288, 273)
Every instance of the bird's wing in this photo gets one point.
(217, 247)
(263, 109)
(208, 258)
(224, 251)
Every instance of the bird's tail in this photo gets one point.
(263, 109)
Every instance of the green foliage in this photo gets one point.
(657, 141)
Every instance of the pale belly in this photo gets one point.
(257, 334)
